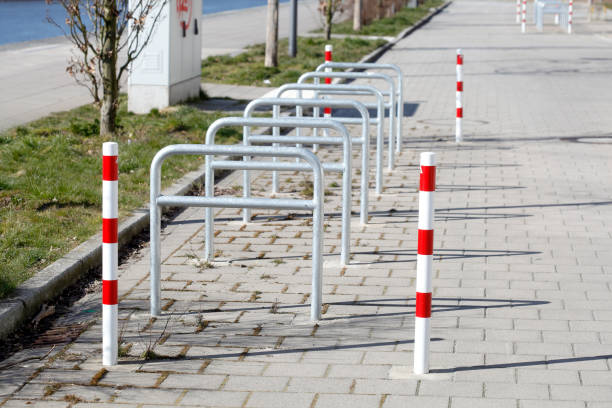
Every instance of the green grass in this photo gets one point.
(51, 182)
(390, 26)
(248, 68)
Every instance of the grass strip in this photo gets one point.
(248, 68)
(389, 26)
(51, 180)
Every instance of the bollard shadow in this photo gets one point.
(250, 353)
(439, 255)
(435, 307)
(520, 364)
(447, 188)
(408, 303)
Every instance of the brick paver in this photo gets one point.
(522, 304)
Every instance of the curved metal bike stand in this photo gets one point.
(349, 90)
(364, 140)
(364, 75)
(157, 201)
(345, 167)
(399, 102)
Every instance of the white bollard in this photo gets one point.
(422, 320)
(518, 11)
(459, 99)
(110, 213)
(524, 20)
(570, 16)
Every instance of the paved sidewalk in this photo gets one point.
(522, 302)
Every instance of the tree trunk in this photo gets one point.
(110, 87)
(271, 59)
(329, 14)
(379, 9)
(357, 15)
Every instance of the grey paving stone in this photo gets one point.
(461, 402)
(343, 400)
(230, 399)
(255, 383)
(516, 391)
(188, 381)
(279, 400)
(385, 386)
(399, 401)
(581, 393)
(320, 385)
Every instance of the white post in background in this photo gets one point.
(110, 213)
(570, 16)
(422, 320)
(518, 11)
(524, 20)
(459, 99)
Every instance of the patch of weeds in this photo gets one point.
(278, 261)
(84, 128)
(274, 307)
(124, 350)
(153, 341)
(51, 389)
(255, 296)
(334, 184)
(98, 376)
(307, 188)
(266, 276)
(73, 399)
(201, 324)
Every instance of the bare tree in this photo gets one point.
(357, 15)
(328, 9)
(271, 57)
(101, 30)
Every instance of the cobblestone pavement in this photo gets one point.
(522, 303)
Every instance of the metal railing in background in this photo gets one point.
(399, 89)
(324, 89)
(364, 140)
(364, 75)
(157, 201)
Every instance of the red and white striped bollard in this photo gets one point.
(328, 58)
(459, 99)
(570, 16)
(524, 19)
(422, 320)
(110, 213)
(518, 11)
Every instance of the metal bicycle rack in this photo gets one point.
(364, 140)
(349, 90)
(364, 75)
(556, 8)
(158, 201)
(399, 103)
(346, 167)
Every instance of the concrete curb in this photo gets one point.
(52, 280)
